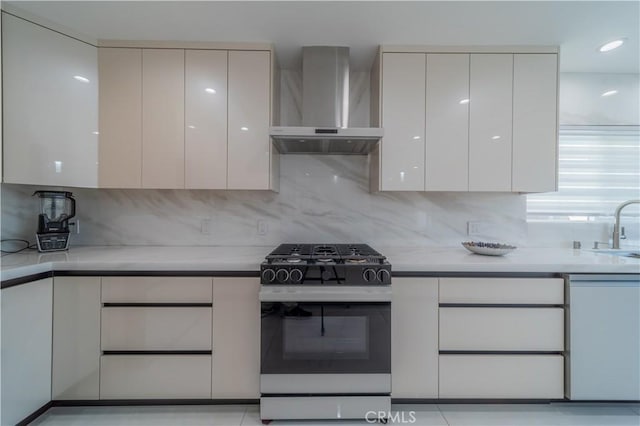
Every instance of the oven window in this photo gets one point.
(338, 337)
(308, 338)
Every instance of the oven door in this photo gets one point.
(302, 336)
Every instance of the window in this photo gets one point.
(598, 168)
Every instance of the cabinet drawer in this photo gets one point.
(514, 329)
(156, 290)
(155, 376)
(502, 376)
(502, 290)
(155, 328)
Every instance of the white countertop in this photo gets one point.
(248, 258)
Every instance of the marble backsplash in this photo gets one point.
(321, 199)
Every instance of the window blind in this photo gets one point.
(598, 168)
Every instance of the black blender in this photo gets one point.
(56, 208)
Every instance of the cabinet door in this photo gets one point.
(490, 122)
(501, 329)
(414, 338)
(50, 106)
(163, 118)
(155, 328)
(120, 154)
(447, 123)
(403, 115)
(76, 338)
(535, 122)
(26, 349)
(541, 291)
(502, 376)
(156, 289)
(155, 377)
(206, 119)
(236, 338)
(248, 143)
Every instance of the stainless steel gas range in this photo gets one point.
(325, 332)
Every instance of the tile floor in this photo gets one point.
(557, 414)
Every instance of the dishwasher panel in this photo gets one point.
(604, 337)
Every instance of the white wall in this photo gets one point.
(581, 102)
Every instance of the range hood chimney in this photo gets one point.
(325, 109)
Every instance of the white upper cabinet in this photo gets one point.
(248, 143)
(163, 118)
(478, 119)
(120, 153)
(490, 115)
(194, 118)
(403, 114)
(206, 119)
(50, 106)
(535, 122)
(447, 122)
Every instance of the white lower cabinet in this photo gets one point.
(156, 289)
(76, 338)
(502, 329)
(236, 338)
(155, 376)
(26, 349)
(502, 376)
(414, 338)
(156, 328)
(150, 329)
(501, 338)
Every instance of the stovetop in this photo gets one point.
(343, 264)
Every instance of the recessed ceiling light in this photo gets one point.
(244, 129)
(464, 101)
(415, 138)
(81, 78)
(611, 45)
(210, 90)
(609, 93)
(495, 138)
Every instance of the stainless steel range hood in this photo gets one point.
(325, 109)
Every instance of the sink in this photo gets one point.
(634, 253)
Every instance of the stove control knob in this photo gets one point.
(384, 276)
(282, 275)
(295, 275)
(369, 275)
(268, 275)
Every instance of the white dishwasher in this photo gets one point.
(604, 337)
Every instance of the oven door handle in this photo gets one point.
(325, 293)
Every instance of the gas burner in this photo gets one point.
(325, 264)
(324, 250)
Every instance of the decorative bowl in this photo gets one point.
(488, 249)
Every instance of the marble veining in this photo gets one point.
(321, 199)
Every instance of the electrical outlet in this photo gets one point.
(474, 227)
(74, 227)
(205, 226)
(263, 227)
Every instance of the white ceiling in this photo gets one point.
(577, 27)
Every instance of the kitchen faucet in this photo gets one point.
(616, 227)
